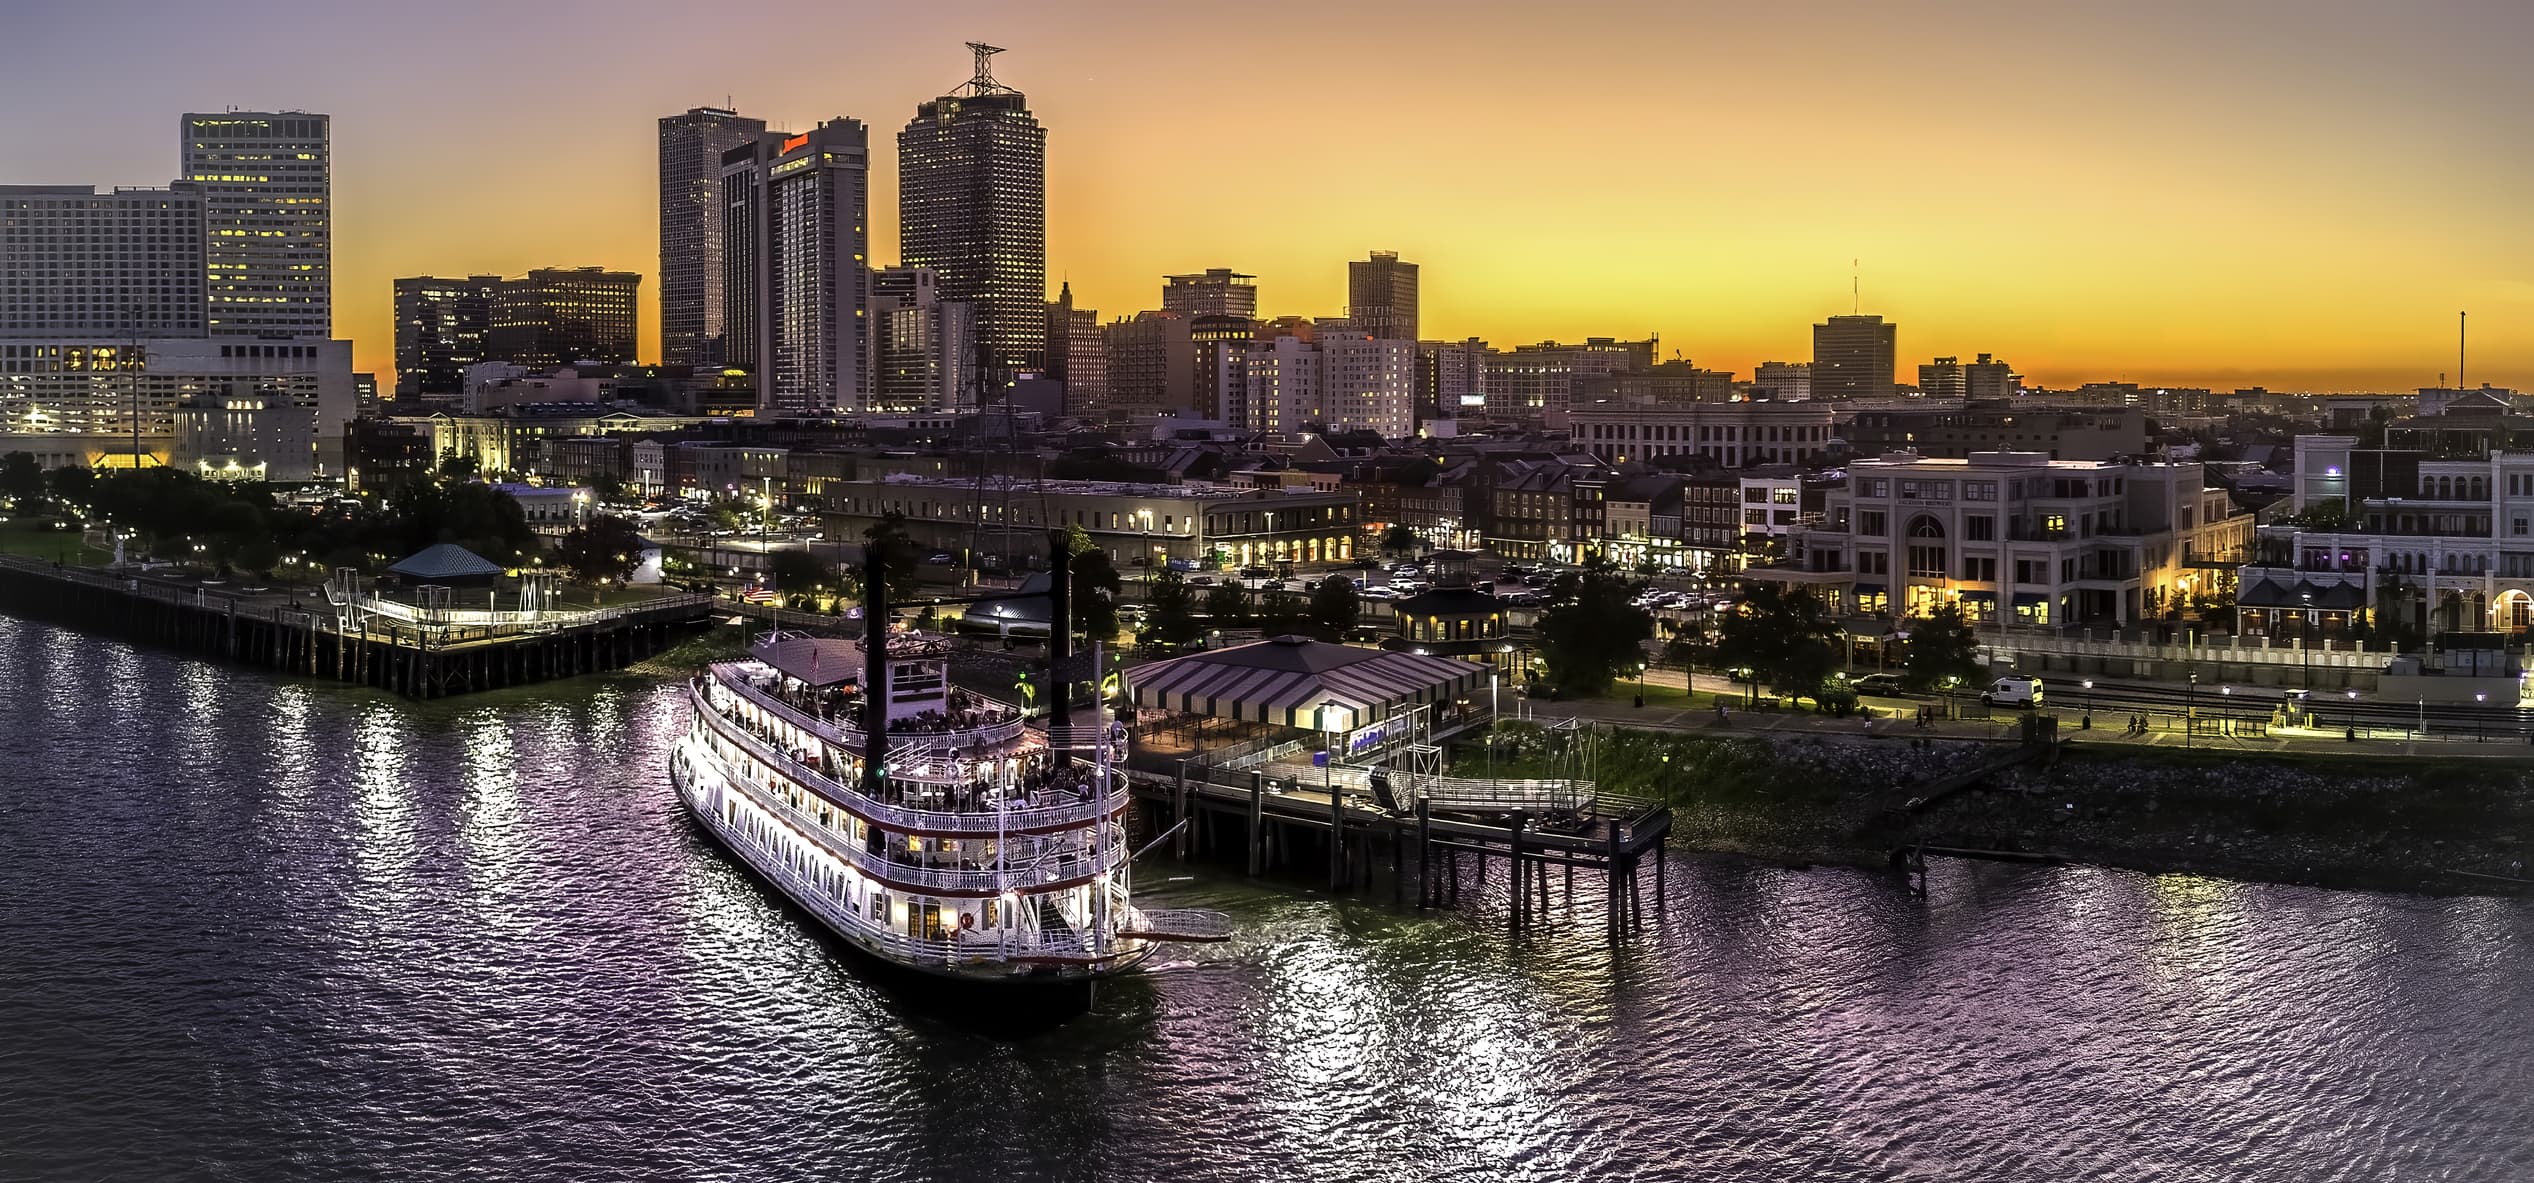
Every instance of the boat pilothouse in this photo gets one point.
(958, 842)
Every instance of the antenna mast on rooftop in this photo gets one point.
(984, 83)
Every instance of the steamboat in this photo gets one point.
(932, 828)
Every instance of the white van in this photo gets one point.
(2013, 690)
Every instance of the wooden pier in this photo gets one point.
(308, 639)
(1270, 825)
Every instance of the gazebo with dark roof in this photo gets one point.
(448, 565)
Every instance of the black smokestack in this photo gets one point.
(875, 670)
(1059, 630)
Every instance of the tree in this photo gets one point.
(1591, 632)
(1226, 603)
(800, 576)
(1335, 608)
(607, 549)
(889, 540)
(1399, 541)
(1172, 621)
(1941, 651)
(455, 466)
(1786, 639)
(1095, 587)
(1281, 612)
(22, 479)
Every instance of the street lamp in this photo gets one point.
(2226, 710)
(2190, 717)
(2086, 708)
(2477, 701)
(2305, 638)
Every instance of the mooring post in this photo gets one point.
(1257, 820)
(1521, 886)
(1185, 822)
(1426, 893)
(1337, 835)
(1610, 851)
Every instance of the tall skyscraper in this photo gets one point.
(796, 244)
(972, 205)
(268, 215)
(442, 327)
(1855, 357)
(1381, 297)
(82, 263)
(1076, 355)
(556, 316)
(1216, 291)
(691, 147)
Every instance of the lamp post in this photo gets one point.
(2477, 701)
(2305, 638)
(2190, 718)
(2086, 708)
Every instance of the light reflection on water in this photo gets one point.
(263, 928)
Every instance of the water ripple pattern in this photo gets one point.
(262, 929)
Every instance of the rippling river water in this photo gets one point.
(252, 928)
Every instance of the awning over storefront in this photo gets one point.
(1291, 680)
(2030, 599)
(1869, 589)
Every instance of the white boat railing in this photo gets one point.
(847, 735)
(982, 949)
(910, 875)
(897, 817)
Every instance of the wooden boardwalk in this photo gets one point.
(1270, 825)
(272, 631)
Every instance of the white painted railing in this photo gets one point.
(894, 816)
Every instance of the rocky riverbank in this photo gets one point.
(2379, 824)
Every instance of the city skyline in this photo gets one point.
(2197, 201)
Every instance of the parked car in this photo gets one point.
(2013, 690)
(1882, 684)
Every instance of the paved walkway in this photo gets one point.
(1898, 718)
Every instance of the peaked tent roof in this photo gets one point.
(1287, 680)
(446, 560)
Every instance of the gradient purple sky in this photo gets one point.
(2295, 194)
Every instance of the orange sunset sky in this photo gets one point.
(2300, 195)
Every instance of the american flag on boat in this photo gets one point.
(759, 595)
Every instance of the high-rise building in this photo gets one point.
(1941, 378)
(442, 327)
(269, 221)
(1076, 355)
(1451, 378)
(560, 315)
(1217, 388)
(1536, 383)
(927, 345)
(797, 269)
(1855, 357)
(691, 147)
(1990, 378)
(1282, 375)
(1216, 291)
(1368, 383)
(972, 205)
(1381, 296)
(1151, 366)
(77, 262)
(1784, 381)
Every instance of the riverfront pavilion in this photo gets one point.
(1302, 683)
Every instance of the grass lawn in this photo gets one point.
(42, 541)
